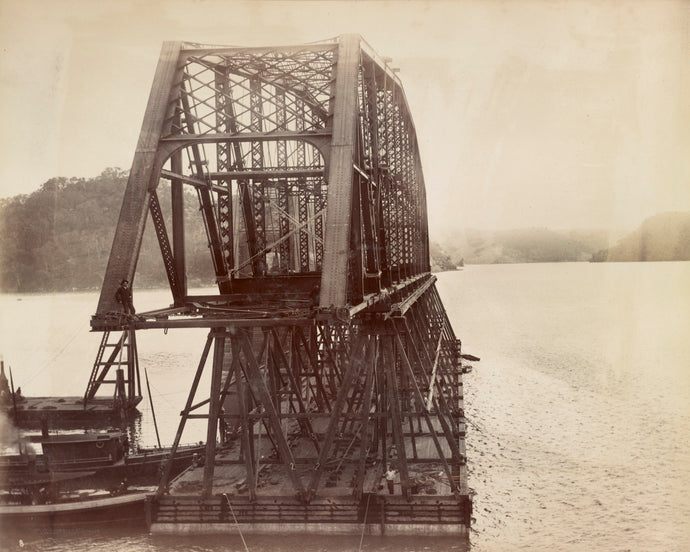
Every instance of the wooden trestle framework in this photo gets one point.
(331, 355)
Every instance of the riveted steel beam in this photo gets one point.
(334, 279)
(142, 178)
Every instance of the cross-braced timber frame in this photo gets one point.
(330, 352)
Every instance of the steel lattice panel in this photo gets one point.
(258, 134)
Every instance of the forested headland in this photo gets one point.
(662, 237)
(521, 245)
(58, 238)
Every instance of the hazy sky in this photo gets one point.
(545, 113)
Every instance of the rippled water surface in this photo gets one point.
(580, 405)
(580, 425)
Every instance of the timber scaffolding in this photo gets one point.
(332, 358)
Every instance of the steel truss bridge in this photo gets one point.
(330, 352)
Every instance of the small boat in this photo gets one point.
(82, 478)
(76, 478)
(76, 509)
(93, 459)
(65, 460)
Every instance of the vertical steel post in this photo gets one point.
(142, 177)
(340, 176)
(213, 408)
(183, 416)
(177, 203)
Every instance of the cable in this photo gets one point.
(364, 524)
(79, 331)
(239, 530)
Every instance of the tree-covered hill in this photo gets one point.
(58, 238)
(440, 260)
(523, 245)
(662, 237)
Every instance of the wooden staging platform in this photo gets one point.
(61, 410)
(430, 509)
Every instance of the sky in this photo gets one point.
(528, 113)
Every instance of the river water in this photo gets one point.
(579, 410)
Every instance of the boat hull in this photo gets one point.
(109, 510)
(138, 469)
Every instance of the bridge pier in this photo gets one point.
(323, 410)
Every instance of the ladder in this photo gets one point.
(119, 352)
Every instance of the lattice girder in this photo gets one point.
(304, 161)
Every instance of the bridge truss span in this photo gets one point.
(332, 359)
